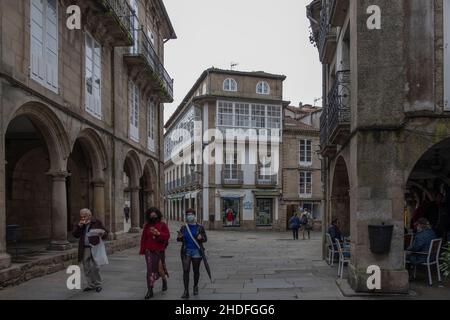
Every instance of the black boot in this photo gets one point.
(196, 279)
(195, 290)
(149, 294)
(185, 294)
(186, 286)
(164, 286)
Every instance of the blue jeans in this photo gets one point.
(193, 253)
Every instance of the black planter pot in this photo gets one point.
(380, 237)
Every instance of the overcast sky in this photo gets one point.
(259, 35)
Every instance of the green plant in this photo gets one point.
(445, 261)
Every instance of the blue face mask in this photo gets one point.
(190, 218)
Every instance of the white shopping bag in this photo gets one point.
(99, 254)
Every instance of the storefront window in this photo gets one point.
(231, 212)
(264, 212)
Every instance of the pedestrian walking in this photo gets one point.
(294, 224)
(90, 232)
(307, 224)
(154, 241)
(126, 213)
(192, 235)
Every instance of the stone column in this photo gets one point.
(5, 259)
(134, 200)
(59, 212)
(99, 200)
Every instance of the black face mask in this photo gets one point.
(152, 220)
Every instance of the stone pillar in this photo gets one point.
(134, 200)
(5, 259)
(377, 199)
(99, 200)
(58, 239)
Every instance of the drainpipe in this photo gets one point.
(113, 160)
(325, 164)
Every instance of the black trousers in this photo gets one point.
(187, 261)
(295, 233)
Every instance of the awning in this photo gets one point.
(191, 195)
(178, 196)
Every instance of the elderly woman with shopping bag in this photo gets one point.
(91, 248)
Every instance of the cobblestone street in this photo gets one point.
(245, 265)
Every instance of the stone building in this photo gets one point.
(385, 128)
(301, 164)
(80, 115)
(237, 192)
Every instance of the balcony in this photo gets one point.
(327, 36)
(338, 12)
(339, 114)
(264, 180)
(232, 177)
(326, 149)
(107, 19)
(146, 68)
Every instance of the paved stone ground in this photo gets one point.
(245, 265)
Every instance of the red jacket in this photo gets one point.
(154, 243)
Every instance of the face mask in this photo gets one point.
(190, 218)
(153, 219)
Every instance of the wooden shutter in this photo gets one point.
(134, 111)
(37, 39)
(89, 74)
(97, 66)
(51, 41)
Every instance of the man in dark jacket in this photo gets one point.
(418, 250)
(85, 243)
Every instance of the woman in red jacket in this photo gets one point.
(155, 238)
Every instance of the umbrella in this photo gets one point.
(205, 262)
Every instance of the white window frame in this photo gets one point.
(225, 119)
(151, 126)
(303, 152)
(258, 117)
(44, 59)
(93, 100)
(242, 114)
(134, 103)
(230, 85)
(446, 55)
(305, 186)
(265, 115)
(263, 88)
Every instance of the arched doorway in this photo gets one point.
(340, 197)
(85, 184)
(430, 178)
(131, 186)
(36, 149)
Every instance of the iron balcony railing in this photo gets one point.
(265, 179)
(324, 26)
(323, 129)
(122, 10)
(339, 102)
(232, 176)
(143, 46)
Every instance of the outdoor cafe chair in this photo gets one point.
(331, 249)
(342, 259)
(432, 259)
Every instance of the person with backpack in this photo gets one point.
(192, 235)
(306, 221)
(154, 241)
(294, 224)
